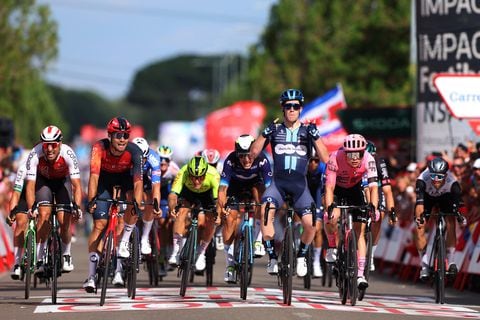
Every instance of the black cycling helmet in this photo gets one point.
(371, 148)
(438, 165)
(292, 94)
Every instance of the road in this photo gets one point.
(386, 297)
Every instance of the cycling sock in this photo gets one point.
(41, 251)
(177, 240)
(331, 237)
(316, 254)
(269, 247)
(92, 266)
(450, 253)
(17, 253)
(119, 265)
(147, 226)
(258, 230)
(127, 231)
(374, 247)
(66, 248)
(202, 246)
(361, 266)
(302, 250)
(229, 260)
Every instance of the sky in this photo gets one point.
(102, 43)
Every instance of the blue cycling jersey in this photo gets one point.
(291, 149)
(151, 168)
(233, 170)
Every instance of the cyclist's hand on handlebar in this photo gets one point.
(92, 205)
(10, 219)
(32, 213)
(77, 212)
(393, 217)
(156, 208)
(173, 213)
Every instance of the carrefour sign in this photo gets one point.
(461, 93)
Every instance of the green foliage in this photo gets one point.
(28, 40)
(312, 45)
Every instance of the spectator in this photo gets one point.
(476, 154)
(462, 151)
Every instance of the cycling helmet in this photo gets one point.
(292, 94)
(118, 124)
(438, 166)
(371, 147)
(211, 156)
(243, 144)
(354, 142)
(51, 134)
(143, 145)
(197, 166)
(165, 152)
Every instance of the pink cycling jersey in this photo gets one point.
(340, 173)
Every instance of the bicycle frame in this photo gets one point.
(29, 254)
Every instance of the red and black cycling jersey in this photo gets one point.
(102, 160)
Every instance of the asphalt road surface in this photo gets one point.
(386, 298)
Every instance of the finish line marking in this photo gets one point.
(222, 297)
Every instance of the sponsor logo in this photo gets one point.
(290, 149)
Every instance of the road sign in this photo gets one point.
(461, 94)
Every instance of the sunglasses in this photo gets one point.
(121, 135)
(288, 106)
(242, 156)
(355, 155)
(54, 145)
(437, 176)
(164, 161)
(458, 165)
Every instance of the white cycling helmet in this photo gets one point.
(211, 156)
(51, 134)
(354, 142)
(143, 145)
(165, 152)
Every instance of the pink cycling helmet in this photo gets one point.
(354, 142)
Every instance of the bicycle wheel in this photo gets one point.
(287, 266)
(439, 268)
(210, 261)
(342, 277)
(132, 268)
(307, 279)
(54, 265)
(245, 248)
(28, 262)
(152, 260)
(106, 264)
(368, 260)
(186, 261)
(352, 267)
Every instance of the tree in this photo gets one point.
(312, 45)
(29, 42)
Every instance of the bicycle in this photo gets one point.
(107, 263)
(53, 250)
(29, 254)
(437, 258)
(244, 246)
(347, 264)
(189, 250)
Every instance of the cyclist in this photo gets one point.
(114, 162)
(316, 182)
(345, 170)
(437, 187)
(151, 187)
(52, 167)
(197, 181)
(385, 196)
(18, 213)
(291, 143)
(241, 175)
(169, 170)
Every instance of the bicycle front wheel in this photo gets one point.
(245, 247)
(106, 264)
(307, 279)
(439, 269)
(287, 266)
(132, 267)
(352, 267)
(186, 262)
(29, 262)
(152, 260)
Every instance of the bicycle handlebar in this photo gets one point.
(136, 209)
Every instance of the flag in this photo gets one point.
(323, 112)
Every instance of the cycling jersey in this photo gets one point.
(426, 191)
(260, 171)
(20, 177)
(383, 180)
(291, 149)
(210, 183)
(66, 164)
(151, 170)
(340, 173)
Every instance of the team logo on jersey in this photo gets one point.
(290, 149)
